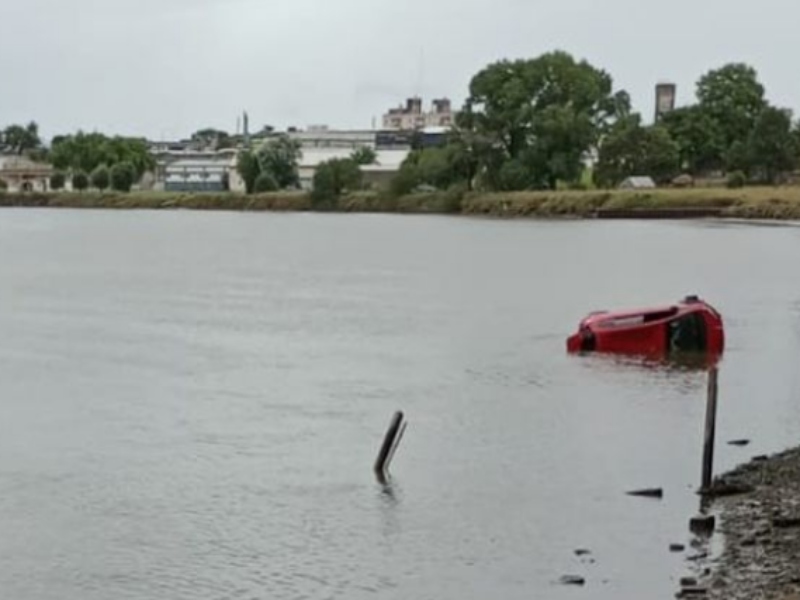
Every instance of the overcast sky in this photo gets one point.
(165, 68)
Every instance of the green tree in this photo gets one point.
(334, 177)
(631, 149)
(3, 185)
(123, 176)
(18, 139)
(733, 98)
(80, 181)
(133, 151)
(101, 178)
(364, 156)
(771, 146)
(57, 181)
(280, 158)
(441, 167)
(249, 169)
(543, 115)
(265, 183)
(87, 151)
(213, 138)
(699, 138)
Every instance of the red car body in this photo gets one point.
(690, 326)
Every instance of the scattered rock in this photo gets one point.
(648, 493)
(720, 489)
(582, 552)
(572, 580)
(702, 525)
(677, 547)
(692, 592)
(761, 531)
(739, 442)
(786, 522)
(688, 582)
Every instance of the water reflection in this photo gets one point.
(685, 362)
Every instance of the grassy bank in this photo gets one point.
(756, 203)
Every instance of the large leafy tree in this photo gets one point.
(280, 157)
(540, 118)
(20, 139)
(713, 134)
(334, 177)
(698, 136)
(732, 97)
(249, 169)
(771, 146)
(87, 151)
(632, 149)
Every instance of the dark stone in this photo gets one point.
(677, 547)
(739, 442)
(693, 591)
(572, 580)
(702, 524)
(786, 522)
(648, 493)
(749, 541)
(582, 552)
(721, 489)
(688, 582)
(760, 458)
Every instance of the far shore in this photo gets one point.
(751, 203)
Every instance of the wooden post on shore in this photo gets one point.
(390, 441)
(710, 429)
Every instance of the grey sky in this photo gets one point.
(165, 68)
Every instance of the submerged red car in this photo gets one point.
(691, 325)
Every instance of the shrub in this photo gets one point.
(80, 181)
(736, 179)
(265, 183)
(3, 186)
(101, 177)
(123, 176)
(57, 181)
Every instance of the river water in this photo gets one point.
(191, 402)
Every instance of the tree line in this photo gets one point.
(87, 159)
(535, 124)
(526, 124)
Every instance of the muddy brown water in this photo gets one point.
(191, 402)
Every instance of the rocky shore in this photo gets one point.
(757, 509)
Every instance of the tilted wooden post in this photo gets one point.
(710, 429)
(390, 442)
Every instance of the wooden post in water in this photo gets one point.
(710, 429)
(390, 442)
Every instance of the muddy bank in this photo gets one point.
(758, 516)
(770, 203)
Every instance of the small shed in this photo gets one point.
(637, 183)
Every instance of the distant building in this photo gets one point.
(411, 116)
(637, 183)
(192, 171)
(21, 174)
(665, 99)
(387, 163)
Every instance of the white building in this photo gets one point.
(21, 174)
(411, 116)
(387, 163)
(192, 171)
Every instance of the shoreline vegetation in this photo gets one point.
(768, 202)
